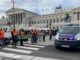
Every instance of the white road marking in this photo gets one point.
(18, 50)
(41, 58)
(9, 55)
(37, 58)
(23, 57)
(31, 48)
(36, 46)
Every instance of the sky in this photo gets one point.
(38, 6)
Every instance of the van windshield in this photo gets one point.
(70, 30)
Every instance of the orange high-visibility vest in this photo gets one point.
(14, 33)
(1, 34)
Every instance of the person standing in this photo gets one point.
(32, 36)
(2, 38)
(44, 34)
(50, 34)
(35, 36)
(21, 34)
(14, 38)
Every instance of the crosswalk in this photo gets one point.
(13, 53)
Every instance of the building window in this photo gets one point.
(43, 21)
(78, 15)
(61, 26)
(38, 22)
(54, 20)
(32, 22)
(61, 20)
(74, 12)
(57, 20)
(35, 22)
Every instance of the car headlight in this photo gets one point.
(57, 36)
(78, 38)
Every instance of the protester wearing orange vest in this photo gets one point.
(21, 34)
(2, 38)
(14, 36)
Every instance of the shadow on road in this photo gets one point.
(70, 49)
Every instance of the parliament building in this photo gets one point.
(19, 16)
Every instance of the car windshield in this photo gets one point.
(70, 30)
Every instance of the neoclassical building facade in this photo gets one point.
(54, 20)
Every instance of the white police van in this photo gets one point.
(68, 36)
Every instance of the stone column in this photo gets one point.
(20, 18)
(79, 15)
(17, 18)
(10, 19)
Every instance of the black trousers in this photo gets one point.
(14, 42)
(34, 40)
(43, 38)
(21, 42)
(50, 37)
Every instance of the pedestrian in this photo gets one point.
(14, 37)
(2, 38)
(44, 34)
(50, 35)
(21, 34)
(32, 36)
(35, 36)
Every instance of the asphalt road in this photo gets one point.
(49, 51)
(64, 54)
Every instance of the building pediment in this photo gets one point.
(18, 10)
(15, 10)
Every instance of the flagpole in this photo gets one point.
(13, 12)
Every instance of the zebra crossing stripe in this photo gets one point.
(23, 57)
(18, 50)
(36, 46)
(41, 58)
(9, 55)
(31, 48)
